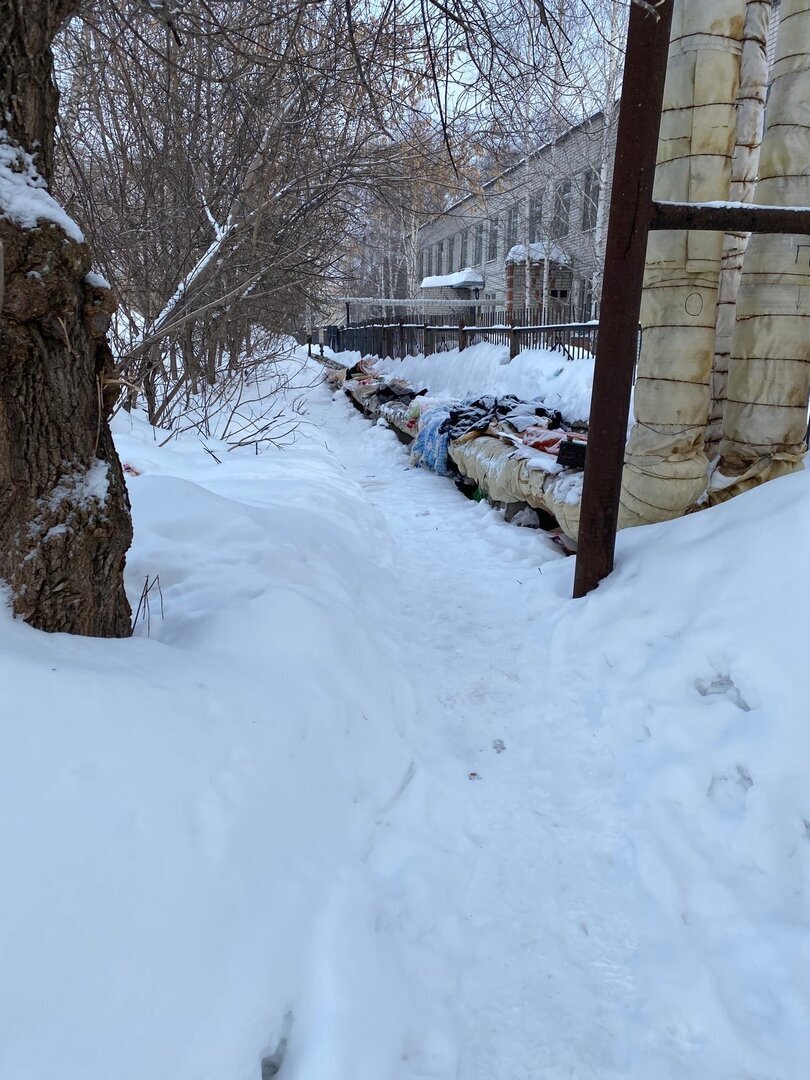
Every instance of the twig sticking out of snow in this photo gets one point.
(144, 610)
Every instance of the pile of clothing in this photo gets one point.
(513, 452)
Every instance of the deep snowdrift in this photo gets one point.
(486, 369)
(177, 815)
(694, 658)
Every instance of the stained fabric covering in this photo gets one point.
(397, 390)
(509, 474)
(362, 368)
(744, 166)
(480, 414)
(398, 414)
(563, 498)
(430, 445)
(666, 468)
(335, 377)
(476, 415)
(362, 389)
(765, 415)
(542, 438)
(498, 470)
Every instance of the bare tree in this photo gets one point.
(64, 513)
(237, 188)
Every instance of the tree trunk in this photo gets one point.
(64, 513)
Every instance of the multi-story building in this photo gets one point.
(551, 204)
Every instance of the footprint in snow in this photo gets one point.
(722, 686)
(728, 792)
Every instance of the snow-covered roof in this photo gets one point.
(537, 253)
(461, 279)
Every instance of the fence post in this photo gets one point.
(462, 336)
(309, 344)
(401, 339)
(426, 329)
(514, 339)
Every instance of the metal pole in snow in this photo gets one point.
(631, 211)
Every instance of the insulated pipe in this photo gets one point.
(665, 465)
(744, 165)
(765, 415)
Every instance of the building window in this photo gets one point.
(451, 259)
(478, 257)
(511, 227)
(590, 200)
(535, 218)
(561, 221)
(440, 257)
(492, 247)
(462, 254)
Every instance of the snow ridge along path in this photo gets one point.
(379, 800)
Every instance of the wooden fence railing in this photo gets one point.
(400, 339)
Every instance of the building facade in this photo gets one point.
(536, 230)
(535, 234)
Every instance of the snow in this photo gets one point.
(467, 278)
(486, 369)
(726, 204)
(96, 281)
(82, 489)
(221, 236)
(539, 252)
(180, 813)
(377, 786)
(24, 197)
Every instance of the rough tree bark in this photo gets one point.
(64, 513)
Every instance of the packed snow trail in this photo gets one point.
(551, 911)
(510, 889)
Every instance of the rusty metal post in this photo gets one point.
(462, 336)
(645, 68)
(783, 220)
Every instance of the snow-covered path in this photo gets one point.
(501, 858)
(591, 868)
(376, 800)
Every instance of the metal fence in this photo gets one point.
(516, 330)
